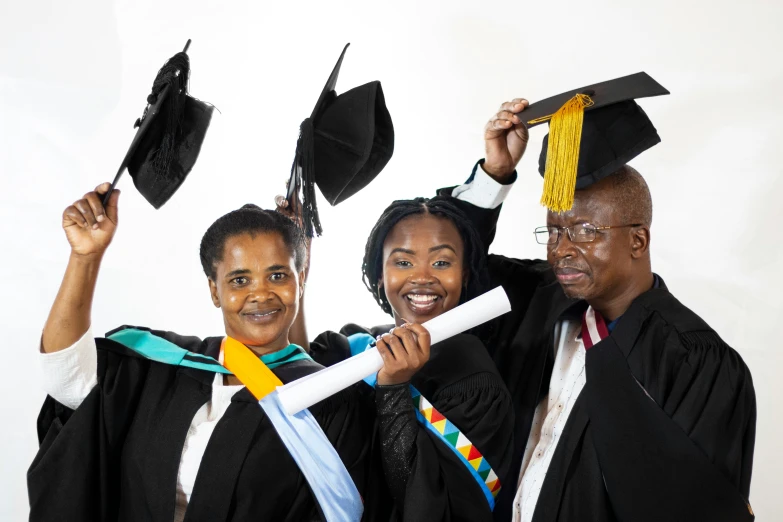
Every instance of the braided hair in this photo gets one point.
(474, 255)
(250, 219)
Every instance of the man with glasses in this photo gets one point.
(628, 406)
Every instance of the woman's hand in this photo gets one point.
(294, 213)
(89, 226)
(404, 351)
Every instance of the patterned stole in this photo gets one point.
(315, 456)
(443, 429)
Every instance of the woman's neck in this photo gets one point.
(272, 347)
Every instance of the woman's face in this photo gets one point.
(423, 272)
(258, 289)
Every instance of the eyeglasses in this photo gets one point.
(579, 233)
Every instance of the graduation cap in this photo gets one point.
(342, 146)
(593, 131)
(170, 134)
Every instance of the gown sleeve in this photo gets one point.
(484, 219)
(681, 448)
(77, 463)
(426, 478)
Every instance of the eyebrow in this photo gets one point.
(246, 271)
(403, 250)
(276, 268)
(234, 273)
(441, 247)
(433, 249)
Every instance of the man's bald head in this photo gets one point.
(628, 194)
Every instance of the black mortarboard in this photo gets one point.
(342, 146)
(593, 132)
(170, 134)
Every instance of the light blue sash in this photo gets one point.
(317, 459)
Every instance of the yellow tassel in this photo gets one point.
(562, 157)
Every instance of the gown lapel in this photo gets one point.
(225, 453)
(192, 391)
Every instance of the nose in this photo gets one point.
(563, 248)
(422, 275)
(259, 292)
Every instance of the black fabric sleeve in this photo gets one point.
(331, 347)
(427, 479)
(682, 447)
(484, 219)
(398, 429)
(77, 464)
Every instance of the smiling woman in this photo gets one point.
(254, 261)
(149, 425)
(442, 417)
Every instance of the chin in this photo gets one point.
(575, 292)
(257, 339)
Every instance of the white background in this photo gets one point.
(74, 77)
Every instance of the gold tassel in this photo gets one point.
(562, 157)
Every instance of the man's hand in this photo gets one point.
(505, 140)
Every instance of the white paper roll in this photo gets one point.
(303, 393)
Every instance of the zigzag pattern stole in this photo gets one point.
(455, 440)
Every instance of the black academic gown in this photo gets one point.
(116, 457)
(414, 476)
(683, 453)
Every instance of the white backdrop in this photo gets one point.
(74, 76)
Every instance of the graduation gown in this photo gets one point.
(414, 475)
(116, 457)
(681, 451)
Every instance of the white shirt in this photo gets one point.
(69, 375)
(549, 420)
(567, 381)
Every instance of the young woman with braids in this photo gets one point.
(150, 425)
(442, 416)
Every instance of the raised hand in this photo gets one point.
(89, 226)
(505, 140)
(294, 213)
(404, 351)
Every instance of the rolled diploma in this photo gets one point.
(303, 393)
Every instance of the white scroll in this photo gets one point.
(303, 393)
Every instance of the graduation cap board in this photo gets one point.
(593, 131)
(170, 135)
(344, 144)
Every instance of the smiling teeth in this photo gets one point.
(422, 299)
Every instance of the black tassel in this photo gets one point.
(175, 73)
(305, 177)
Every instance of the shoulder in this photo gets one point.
(141, 341)
(331, 347)
(662, 320)
(660, 309)
(459, 365)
